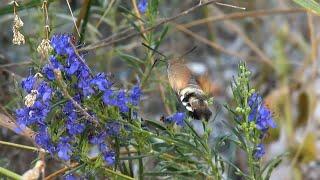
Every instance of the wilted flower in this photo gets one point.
(18, 38)
(44, 48)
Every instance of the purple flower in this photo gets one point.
(75, 127)
(109, 157)
(259, 151)
(64, 148)
(70, 177)
(101, 82)
(47, 70)
(55, 63)
(44, 92)
(28, 83)
(176, 118)
(61, 43)
(135, 95)
(43, 140)
(98, 139)
(108, 98)
(113, 128)
(122, 101)
(260, 113)
(143, 5)
(84, 85)
(73, 64)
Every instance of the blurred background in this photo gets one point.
(277, 39)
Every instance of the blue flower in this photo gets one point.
(143, 5)
(113, 128)
(70, 177)
(108, 98)
(28, 83)
(55, 63)
(73, 64)
(84, 85)
(135, 95)
(109, 157)
(98, 139)
(47, 70)
(101, 82)
(64, 148)
(122, 101)
(259, 151)
(43, 140)
(260, 114)
(177, 118)
(61, 43)
(44, 92)
(75, 127)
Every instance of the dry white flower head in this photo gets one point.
(44, 48)
(17, 22)
(30, 99)
(34, 173)
(18, 38)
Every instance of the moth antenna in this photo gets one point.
(188, 52)
(154, 50)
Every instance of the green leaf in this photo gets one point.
(131, 60)
(10, 174)
(154, 7)
(271, 165)
(238, 134)
(310, 5)
(155, 124)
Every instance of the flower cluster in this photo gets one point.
(262, 118)
(177, 118)
(60, 132)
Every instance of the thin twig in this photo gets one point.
(61, 171)
(232, 26)
(19, 146)
(15, 64)
(125, 34)
(7, 122)
(208, 42)
(240, 15)
(63, 85)
(73, 19)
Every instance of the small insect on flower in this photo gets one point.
(191, 95)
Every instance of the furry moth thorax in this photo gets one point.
(190, 93)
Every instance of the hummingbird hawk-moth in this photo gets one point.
(185, 84)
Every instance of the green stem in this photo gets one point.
(251, 163)
(19, 146)
(85, 21)
(118, 174)
(9, 173)
(140, 165)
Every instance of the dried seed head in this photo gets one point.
(18, 38)
(44, 48)
(17, 22)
